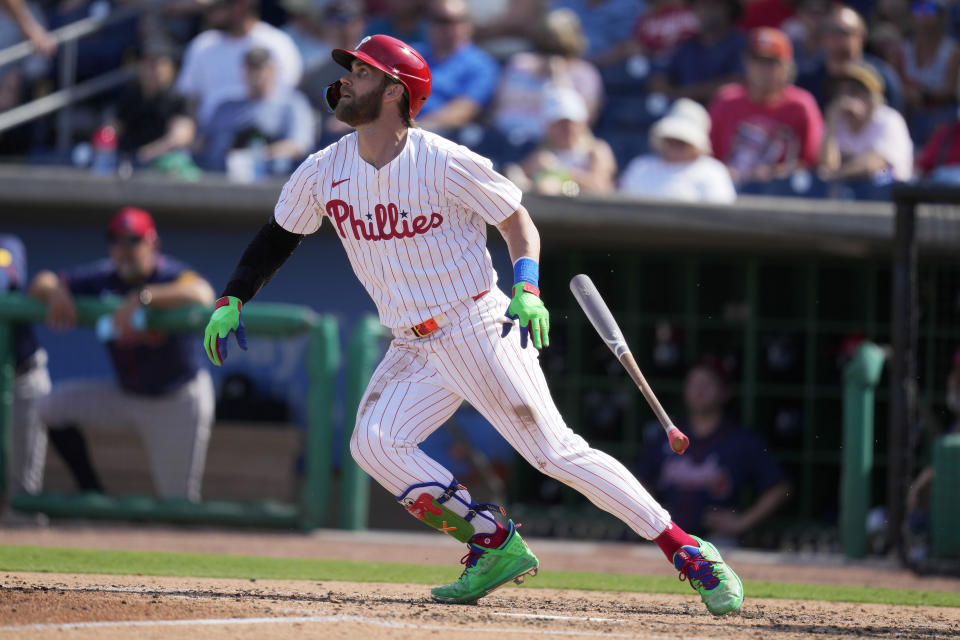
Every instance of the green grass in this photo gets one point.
(204, 565)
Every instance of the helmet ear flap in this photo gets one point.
(331, 96)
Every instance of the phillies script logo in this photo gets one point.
(385, 223)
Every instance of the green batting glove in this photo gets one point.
(224, 321)
(527, 307)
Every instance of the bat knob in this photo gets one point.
(678, 441)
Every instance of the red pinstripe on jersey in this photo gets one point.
(420, 384)
(415, 231)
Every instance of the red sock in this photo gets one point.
(672, 538)
(491, 540)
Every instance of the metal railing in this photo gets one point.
(70, 92)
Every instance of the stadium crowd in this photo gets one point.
(794, 97)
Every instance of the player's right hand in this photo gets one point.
(224, 321)
(61, 310)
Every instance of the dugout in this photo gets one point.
(782, 287)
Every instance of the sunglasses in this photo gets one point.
(124, 240)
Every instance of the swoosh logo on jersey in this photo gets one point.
(337, 183)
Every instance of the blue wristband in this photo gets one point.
(526, 270)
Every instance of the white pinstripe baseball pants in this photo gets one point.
(421, 382)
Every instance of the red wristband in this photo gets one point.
(530, 288)
(225, 302)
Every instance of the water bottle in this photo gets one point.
(258, 148)
(104, 144)
(106, 331)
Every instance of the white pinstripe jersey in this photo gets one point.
(415, 230)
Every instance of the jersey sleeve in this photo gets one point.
(298, 210)
(188, 82)
(470, 181)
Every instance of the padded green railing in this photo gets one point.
(860, 378)
(323, 360)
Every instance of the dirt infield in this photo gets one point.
(40, 606)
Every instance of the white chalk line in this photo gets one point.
(547, 616)
(393, 624)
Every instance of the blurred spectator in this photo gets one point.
(713, 58)
(32, 27)
(606, 23)
(805, 30)
(151, 116)
(844, 34)
(765, 13)
(919, 493)
(404, 19)
(864, 138)
(931, 59)
(505, 27)
(344, 28)
(104, 50)
(279, 117)
(160, 388)
(31, 382)
(305, 26)
(681, 168)
(939, 159)
(657, 33)
(212, 71)
(704, 488)
(662, 28)
(555, 62)
(569, 159)
(464, 75)
(767, 127)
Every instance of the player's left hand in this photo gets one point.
(534, 319)
(224, 321)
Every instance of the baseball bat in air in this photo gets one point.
(602, 320)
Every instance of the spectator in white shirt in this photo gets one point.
(682, 167)
(213, 70)
(865, 138)
(569, 160)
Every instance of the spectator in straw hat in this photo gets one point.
(682, 167)
(864, 137)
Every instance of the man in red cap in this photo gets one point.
(160, 388)
(411, 209)
(766, 127)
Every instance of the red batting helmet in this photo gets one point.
(395, 58)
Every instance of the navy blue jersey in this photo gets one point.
(13, 277)
(712, 474)
(158, 363)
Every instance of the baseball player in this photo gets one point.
(30, 383)
(411, 209)
(161, 389)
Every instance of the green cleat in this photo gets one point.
(719, 587)
(489, 569)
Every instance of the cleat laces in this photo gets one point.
(701, 570)
(471, 558)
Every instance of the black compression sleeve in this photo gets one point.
(268, 250)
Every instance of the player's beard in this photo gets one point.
(360, 109)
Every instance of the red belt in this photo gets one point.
(427, 327)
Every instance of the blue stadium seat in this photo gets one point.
(922, 124)
(626, 78)
(626, 145)
(800, 184)
(491, 143)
